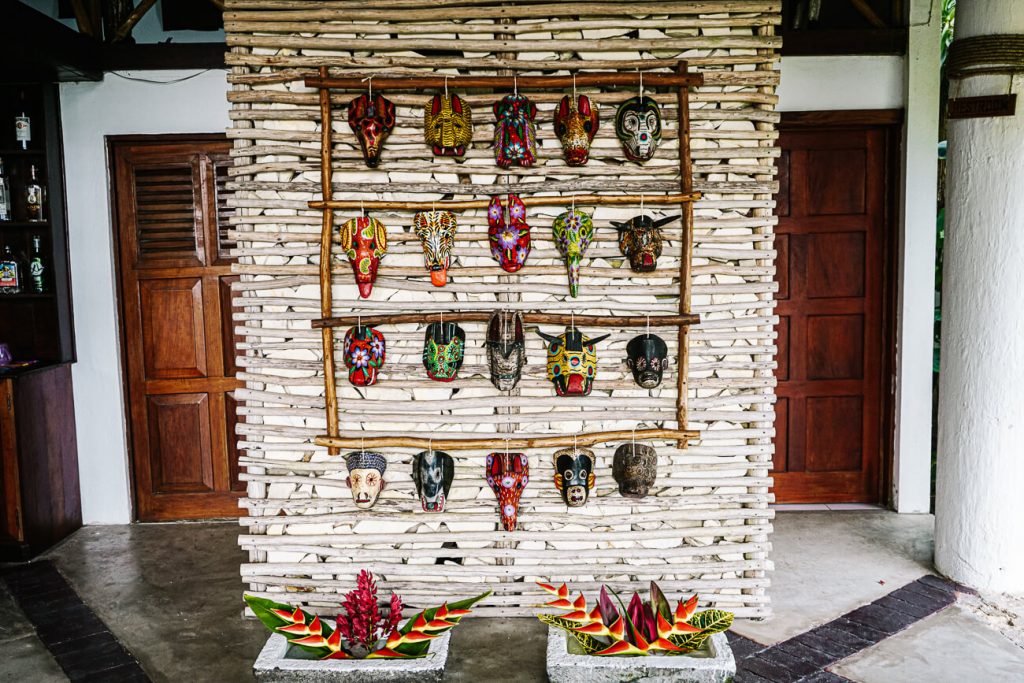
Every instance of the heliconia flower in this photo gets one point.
(685, 610)
(443, 612)
(594, 628)
(313, 628)
(296, 617)
(620, 647)
(315, 640)
(386, 653)
(664, 645)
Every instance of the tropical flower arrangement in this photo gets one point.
(363, 631)
(641, 628)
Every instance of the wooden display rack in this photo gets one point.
(682, 79)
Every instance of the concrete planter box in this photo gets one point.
(567, 664)
(280, 662)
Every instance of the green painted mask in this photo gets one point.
(443, 350)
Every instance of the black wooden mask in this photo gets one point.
(634, 467)
(647, 357)
(506, 349)
(433, 472)
(574, 475)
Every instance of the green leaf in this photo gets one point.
(420, 649)
(589, 644)
(262, 607)
(712, 620)
(659, 603)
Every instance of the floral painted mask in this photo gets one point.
(572, 361)
(448, 125)
(443, 350)
(640, 241)
(647, 357)
(506, 349)
(433, 473)
(508, 233)
(575, 125)
(573, 231)
(507, 475)
(365, 241)
(365, 477)
(436, 229)
(574, 475)
(371, 119)
(638, 126)
(364, 354)
(515, 139)
(634, 468)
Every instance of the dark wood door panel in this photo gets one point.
(173, 332)
(181, 458)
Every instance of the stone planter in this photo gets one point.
(713, 663)
(280, 662)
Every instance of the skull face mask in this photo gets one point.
(572, 361)
(371, 119)
(436, 229)
(575, 125)
(515, 139)
(640, 241)
(365, 241)
(507, 475)
(506, 349)
(443, 350)
(433, 472)
(574, 475)
(364, 354)
(638, 126)
(573, 231)
(508, 233)
(365, 477)
(448, 125)
(634, 468)
(647, 357)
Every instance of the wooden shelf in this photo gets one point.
(27, 296)
(535, 317)
(544, 441)
(24, 225)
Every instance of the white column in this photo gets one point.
(979, 508)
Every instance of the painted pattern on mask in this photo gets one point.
(372, 119)
(638, 127)
(572, 361)
(574, 475)
(573, 231)
(365, 477)
(506, 349)
(575, 125)
(433, 473)
(647, 357)
(507, 475)
(515, 137)
(444, 348)
(364, 354)
(436, 230)
(448, 125)
(641, 241)
(635, 469)
(508, 233)
(365, 241)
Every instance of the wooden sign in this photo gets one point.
(983, 106)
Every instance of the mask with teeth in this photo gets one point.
(436, 230)
(640, 241)
(372, 120)
(506, 349)
(574, 475)
(448, 125)
(572, 361)
(638, 127)
(647, 357)
(365, 477)
(575, 125)
(433, 472)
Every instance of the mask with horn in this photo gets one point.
(433, 473)
(443, 350)
(507, 475)
(508, 233)
(436, 230)
(506, 349)
(572, 361)
(372, 120)
(448, 125)
(575, 125)
(515, 138)
(647, 357)
(640, 241)
(573, 231)
(365, 241)
(574, 475)
(638, 127)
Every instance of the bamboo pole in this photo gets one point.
(627, 79)
(528, 317)
(558, 441)
(326, 293)
(686, 252)
(453, 204)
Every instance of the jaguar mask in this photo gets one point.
(364, 355)
(448, 125)
(515, 138)
(506, 349)
(508, 233)
(507, 475)
(365, 477)
(433, 472)
(638, 127)
(443, 349)
(575, 125)
(634, 468)
(365, 241)
(640, 241)
(573, 231)
(647, 357)
(574, 475)
(436, 230)
(372, 119)
(572, 361)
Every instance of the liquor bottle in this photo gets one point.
(38, 272)
(23, 126)
(10, 272)
(35, 196)
(5, 196)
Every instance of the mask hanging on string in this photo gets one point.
(640, 241)
(508, 233)
(365, 241)
(638, 127)
(572, 361)
(634, 468)
(364, 354)
(647, 357)
(448, 125)
(574, 475)
(506, 349)
(507, 475)
(573, 231)
(575, 125)
(443, 351)
(433, 473)
(371, 118)
(436, 230)
(515, 138)
(365, 477)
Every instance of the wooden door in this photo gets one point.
(175, 280)
(833, 334)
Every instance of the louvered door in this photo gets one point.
(175, 280)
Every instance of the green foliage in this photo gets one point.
(420, 649)
(709, 622)
(262, 607)
(589, 644)
(948, 25)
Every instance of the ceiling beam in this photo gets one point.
(125, 30)
(44, 49)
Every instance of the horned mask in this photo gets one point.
(647, 357)
(448, 125)
(364, 355)
(638, 126)
(443, 350)
(634, 468)
(436, 229)
(575, 125)
(365, 241)
(365, 477)
(506, 349)
(515, 138)
(572, 361)
(573, 231)
(371, 117)
(640, 241)
(574, 475)
(507, 475)
(508, 233)
(433, 472)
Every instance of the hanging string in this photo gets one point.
(641, 205)
(574, 204)
(430, 445)
(574, 450)
(359, 321)
(648, 325)
(515, 84)
(506, 446)
(634, 439)
(370, 85)
(574, 89)
(446, 87)
(442, 318)
(572, 321)
(362, 444)
(362, 214)
(641, 83)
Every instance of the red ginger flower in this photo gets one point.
(363, 625)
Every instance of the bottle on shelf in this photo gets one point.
(35, 197)
(23, 126)
(10, 272)
(38, 270)
(5, 195)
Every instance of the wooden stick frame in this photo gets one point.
(682, 79)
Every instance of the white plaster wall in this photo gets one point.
(91, 111)
(846, 82)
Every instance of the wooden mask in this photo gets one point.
(640, 241)
(365, 477)
(515, 138)
(573, 231)
(436, 230)
(448, 125)
(575, 125)
(365, 241)
(507, 475)
(638, 127)
(647, 357)
(506, 349)
(372, 120)
(634, 468)
(433, 473)
(572, 361)
(574, 475)
(444, 347)
(364, 354)
(508, 233)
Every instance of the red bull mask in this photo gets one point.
(365, 241)
(364, 355)
(508, 233)
(371, 118)
(572, 361)
(507, 475)
(436, 230)
(640, 241)
(575, 125)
